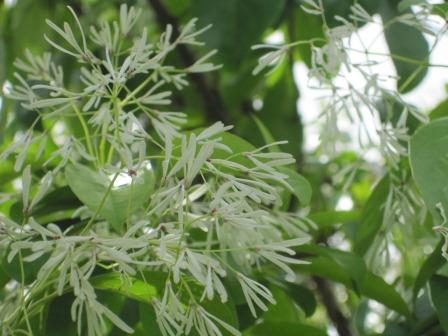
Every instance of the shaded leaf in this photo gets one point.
(439, 296)
(371, 218)
(237, 25)
(91, 187)
(148, 318)
(429, 162)
(429, 267)
(439, 111)
(404, 41)
(300, 185)
(284, 310)
(30, 269)
(329, 218)
(350, 270)
(308, 27)
(303, 297)
(279, 112)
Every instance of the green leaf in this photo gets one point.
(284, 310)
(404, 41)
(237, 25)
(350, 270)
(24, 28)
(57, 205)
(371, 218)
(325, 219)
(300, 185)
(439, 111)
(266, 134)
(177, 7)
(91, 188)
(439, 296)
(153, 285)
(30, 269)
(395, 329)
(59, 321)
(429, 267)
(279, 112)
(238, 146)
(374, 287)
(441, 10)
(325, 268)
(429, 162)
(334, 8)
(148, 318)
(406, 4)
(303, 297)
(136, 289)
(4, 277)
(308, 27)
(3, 70)
(284, 328)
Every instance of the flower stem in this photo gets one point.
(85, 129)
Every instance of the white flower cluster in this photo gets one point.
(330, 64)
(372, 106)
(214, 209)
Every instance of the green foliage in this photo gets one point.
(147, 221)
(133, 288)
(439, 295)
(428, 150)
(371, 218)
(350, 270)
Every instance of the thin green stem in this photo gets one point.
(136, 91)
(116, 109)
(22, 289)
(100, 207)
(401, 58)
(85, 129)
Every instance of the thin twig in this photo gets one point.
(340, 321)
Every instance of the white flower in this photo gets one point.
(44, 186)
(254, 293)
(166, 322)
(271, 58)
(230, 197)
(205, 323)
(272, 252)
(313, 7)
(26, 185)
(128, 18)
(360, 14)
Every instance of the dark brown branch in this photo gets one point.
(210, 96)
(334, 312)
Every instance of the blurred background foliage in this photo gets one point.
(340, 292)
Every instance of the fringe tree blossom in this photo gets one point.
(373, 106)
(213, 209)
